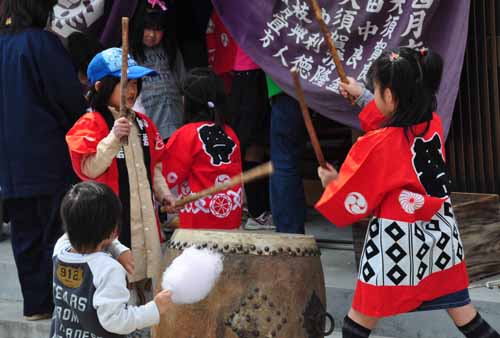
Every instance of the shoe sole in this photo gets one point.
(37, 317)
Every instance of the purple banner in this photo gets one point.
(281, 34)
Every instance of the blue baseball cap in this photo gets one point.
(109, 62)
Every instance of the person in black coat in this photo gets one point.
(40, 99)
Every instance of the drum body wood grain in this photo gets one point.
(271, 286)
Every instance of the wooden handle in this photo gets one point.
(331, 45)
(256, 173)
(307, 119)
(124, 112)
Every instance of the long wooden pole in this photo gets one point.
(307, 119)
(329, 40)
(331, 45)
(124, 112)
(256, 173)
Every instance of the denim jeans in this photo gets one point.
(288, 139)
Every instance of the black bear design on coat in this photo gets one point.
(216, 144)
(430, 166)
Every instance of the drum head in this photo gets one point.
(244, 242)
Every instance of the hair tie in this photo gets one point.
(423, 51)
(160, 4)
(394, 56)
(210, 105)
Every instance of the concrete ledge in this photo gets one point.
(9, 286)
(340, 277)
(13, 326)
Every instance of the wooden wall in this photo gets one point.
(473, 145)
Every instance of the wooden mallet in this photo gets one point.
(124, 111)
(331, 45)
(307, 119)
(256, 173)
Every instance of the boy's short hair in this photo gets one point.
(90, 212)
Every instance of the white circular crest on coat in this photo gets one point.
(221, 205)
(221, 179)
(356, 203)
(410, 201)
(172, 177)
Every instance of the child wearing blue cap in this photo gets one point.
(133, 171)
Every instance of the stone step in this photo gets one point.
(9, 285)
(12, 324)
(340, 277)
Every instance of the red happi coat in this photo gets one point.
(198, 156)
(84, 137)
(86, 134)
(412, 252)
(221, 46)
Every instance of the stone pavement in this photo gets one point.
(340, 275)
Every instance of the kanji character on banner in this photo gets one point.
(314, 41)
(355, 57)
(301, 11)
(374, 6)
(281, 56)
(267, 39)
(326, 17)
(380, 46)
(345, 19)
(416, 24)
(304, 65)
(389, 27)
(321, 76)
(354, 4)
(299, 32)
(398, 4)
(277, 24)
(422, 4)
(367, 30)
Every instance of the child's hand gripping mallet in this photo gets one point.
(331, 45)
(307, 119)
(256, 173)
(124, 111)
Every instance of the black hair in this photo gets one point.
(413, 76)
(18, 15)
(90, 213)
(204, 97)
(82, 48)
(99, 99)
(146, 17)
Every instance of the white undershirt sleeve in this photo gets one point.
(111, 297)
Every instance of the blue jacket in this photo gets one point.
(40, 99)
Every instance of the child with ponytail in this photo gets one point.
(153, 45)
(413, 258)
(205, 152)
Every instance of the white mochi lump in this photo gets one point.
(192, 275)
